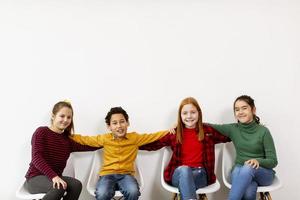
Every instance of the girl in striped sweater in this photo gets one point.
(51, 148)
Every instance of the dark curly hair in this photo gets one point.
(115, 110)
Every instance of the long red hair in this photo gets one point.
(180, 125)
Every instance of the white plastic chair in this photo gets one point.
(201, 191)
(94, 175)
(227, 164)
(22, 192)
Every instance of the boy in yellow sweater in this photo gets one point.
(120, 150)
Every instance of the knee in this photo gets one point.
(77, 185)
(57, 192)
(247, 170)
(104, 192)
(73, 184)
(101, 194)
(132, 193)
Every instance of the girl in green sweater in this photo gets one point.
(255, 151)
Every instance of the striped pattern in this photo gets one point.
(211, 138)
(50, 152)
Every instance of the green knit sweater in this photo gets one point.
(251, 141)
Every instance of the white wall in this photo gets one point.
(146, 56)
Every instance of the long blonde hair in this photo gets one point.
(180, 125)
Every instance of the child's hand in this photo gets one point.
(173, 129)
(253, 163)
(57, 181)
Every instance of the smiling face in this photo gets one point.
(61, 120)
(118, 125)
(243, 112)
(189, 116)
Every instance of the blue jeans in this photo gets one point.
(245, 179)
(188, 180)
(108, 184)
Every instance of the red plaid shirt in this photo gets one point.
(211, 138)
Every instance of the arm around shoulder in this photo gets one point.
(81, 147)
(216, 135)
(224, 129)
(93, 141)
(153, 146)
(148, 138)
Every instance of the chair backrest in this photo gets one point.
(94, 174)
(167, 154)
(165, 160)
(228, 159)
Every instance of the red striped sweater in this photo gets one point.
(50, 152)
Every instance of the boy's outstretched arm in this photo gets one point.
(93, 141)
(153, 146)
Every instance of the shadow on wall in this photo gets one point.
(223, 192)
(226, 116)
(152, 183)
(83, 162)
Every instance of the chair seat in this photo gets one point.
(210, 188)
(228, 162)
(275, 186)
(166, 158)
(92, 190)
(22, 193)
(205, 190)
(69, 170)
(94, 174)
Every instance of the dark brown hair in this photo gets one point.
(250, 102)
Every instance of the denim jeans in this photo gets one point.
(188, 180)
(245, 179)
(108, 184)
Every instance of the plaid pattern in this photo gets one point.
(211, 138)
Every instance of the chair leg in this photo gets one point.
(202, 197)
(175, 196)
(268, 196)
(265, 196)
(261, 196)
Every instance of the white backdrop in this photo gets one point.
(146, 56)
